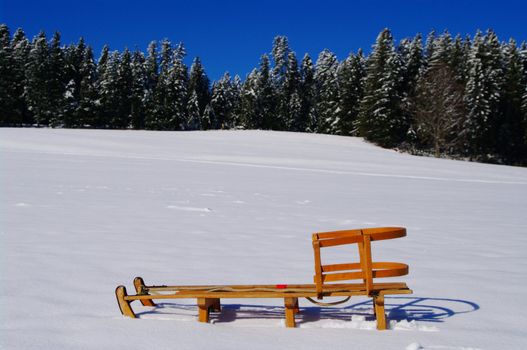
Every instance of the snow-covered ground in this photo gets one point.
(82, 211)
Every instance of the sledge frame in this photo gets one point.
(208, 297)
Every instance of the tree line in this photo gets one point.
(463, 97)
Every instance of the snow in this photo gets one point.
(83, 211)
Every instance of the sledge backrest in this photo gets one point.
(364, 269)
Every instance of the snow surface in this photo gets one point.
(82, 211)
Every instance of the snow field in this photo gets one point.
(84, 210)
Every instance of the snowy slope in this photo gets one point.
(83, 211)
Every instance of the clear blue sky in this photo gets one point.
(232, 35)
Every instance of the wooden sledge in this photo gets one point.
(208, 296)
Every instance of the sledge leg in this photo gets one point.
(204, 306)
(378, 304)
(290, 305)
(139, 285)
(124, 305)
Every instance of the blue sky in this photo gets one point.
(232, 35)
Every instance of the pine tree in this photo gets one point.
(265, 97)
(251, 118)
(207, 118)
(291, 87)
(200, 83)
(177, 90)
(326, 87)
(139, 90)
(70, 114)
(458, 58)
(236, 116)
(37, 77)
(88, 94)
(280, 53)
(380, 118)
(151, 71)
(20, 48)
(482, 97)
(193, 120)
(159, 110)
(279, 74)
(123, 89)
(351, 75)
(223, 102)
(7, 99)
(100, 119)
(67, 117)
(414, 66)
(109, 93)
(306, 121)
(57, 82)
(511, 133)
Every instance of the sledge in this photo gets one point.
(209, 296)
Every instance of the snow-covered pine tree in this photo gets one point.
(20, 48)
(207, 118)
(200, 83)
(251, 118)
(280, 54)
(7, 99)
(138, 90)
(88, 93)
(122, 117)
(414, 65)
(458, 58)
(159, 108)
(69, 116)
(178, 90)
(66, 116)
(223, 102)
(37, 77)
(109, 92)
(326, 87)
(151, 71)
(510, 141)
(57, 81)
(100, 120)
(306, 121)
(476, 125)
(351, 75)
(193, 113)
(265, 97)
(291, 86)
(380, 118)
(482, 97)
(430, 44)
(236, 117)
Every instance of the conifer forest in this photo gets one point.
(443, 95)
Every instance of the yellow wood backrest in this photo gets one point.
(365, 269)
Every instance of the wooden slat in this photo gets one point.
(273, 286)
(318, 266)
(340, 267)
(377, 233)
(339, 241)
(336, 234)
(258, 295)
(342, 276)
